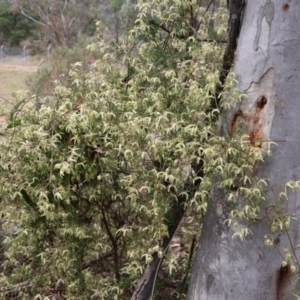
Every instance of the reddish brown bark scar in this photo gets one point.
(238, 114)
(261, 102)
(282, 280)
(254, 120)
(256, 133)
(285, 6)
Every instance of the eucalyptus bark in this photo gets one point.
(268, 69)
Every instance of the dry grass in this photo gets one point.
(13, 77)
(12, 81)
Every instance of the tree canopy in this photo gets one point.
(13, 26)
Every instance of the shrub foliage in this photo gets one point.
(89, 177)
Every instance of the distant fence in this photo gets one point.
(19, 55)
(5, 52)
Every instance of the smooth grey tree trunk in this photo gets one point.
(267, 64)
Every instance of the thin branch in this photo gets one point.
(189, 263)
(65, 4)
(31, 18)
(198, 38)
(207, 8)
(114, 244)
(152, 22)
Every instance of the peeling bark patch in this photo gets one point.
(285, 6)
(264, 37)
(266, 15)
(282, 280)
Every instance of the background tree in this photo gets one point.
(268, 73)
(13, 26)
(63, 22)
(118, 16)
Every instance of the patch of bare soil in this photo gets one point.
(18, 68)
